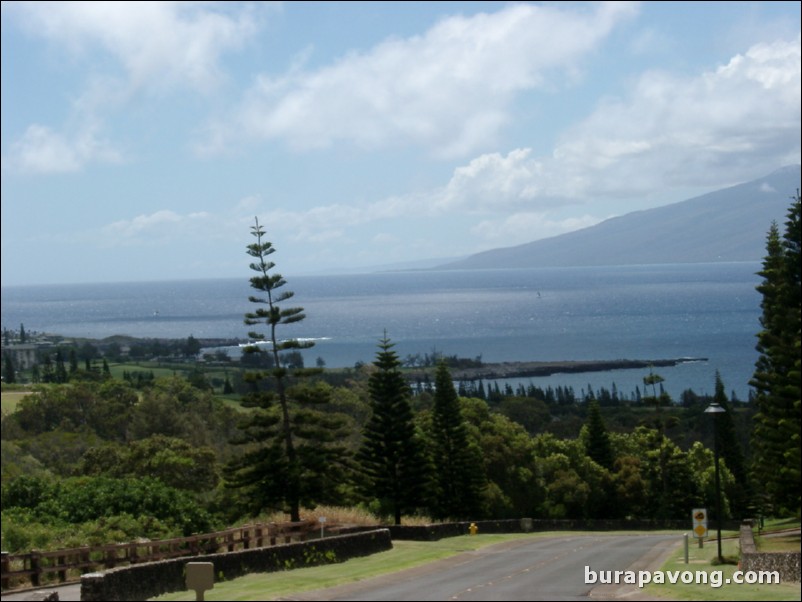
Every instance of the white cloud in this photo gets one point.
(739, 121)
(494, 182)
(41, 150)
(157, 43)
(161, 227)
(525, 227)
(448, 89)
(728, 125)
(725, 125)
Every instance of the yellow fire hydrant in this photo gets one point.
(473, 529)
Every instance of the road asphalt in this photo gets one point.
(654, 556)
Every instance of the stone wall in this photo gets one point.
(436, 531)
(144, 581)
(787, 564)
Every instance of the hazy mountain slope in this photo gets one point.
(725, 225)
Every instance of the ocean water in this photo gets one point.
(631, 312)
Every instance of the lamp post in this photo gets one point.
(715, 409)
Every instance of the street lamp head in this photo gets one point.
(714, 408)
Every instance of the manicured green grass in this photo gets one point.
(117, 370)
(779, 524)
(404, 555)
(700, 560)
(779, 543)
(10, 399)
(787, 542)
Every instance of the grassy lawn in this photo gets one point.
(700, 560)
(159, 370)
(779, 543)
(404, 555)
(10, 399)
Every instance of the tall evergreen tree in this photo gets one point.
(598, 446)
(9, 373)
(458, 463)
(61, 369)
(730, 449)
(391, 455)
(294, 452)
(73, 361)
(776, 432)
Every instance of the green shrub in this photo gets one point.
(85, 499)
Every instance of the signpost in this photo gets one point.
(200, 577)
(699, 518)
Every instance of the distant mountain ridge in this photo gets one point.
(725, 225)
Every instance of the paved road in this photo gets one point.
(536, 569)
(543, 568)
(71, 593)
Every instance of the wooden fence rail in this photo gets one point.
(36, 569)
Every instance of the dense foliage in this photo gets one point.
(293, 455)
(776, 435)
(391, 455)
(456, 490)
(160, 449)
(181, 437)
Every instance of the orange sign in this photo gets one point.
(699, 517)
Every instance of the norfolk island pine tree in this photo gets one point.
(294, 455)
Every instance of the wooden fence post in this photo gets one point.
(62, 574)
(86, 559)
(36, 568)
(6, 568)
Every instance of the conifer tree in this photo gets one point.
(731, 453)
(458, 464)
(61, 369)
(294, 452)
(9, 373)
(776, 432)
(598, 446)
(391, 455)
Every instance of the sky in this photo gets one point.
(140, 140)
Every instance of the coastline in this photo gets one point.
(532, 369)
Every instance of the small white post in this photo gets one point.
(685, 536)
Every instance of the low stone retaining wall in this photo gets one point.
(787, 564)
(144, 581)
(436, 531)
